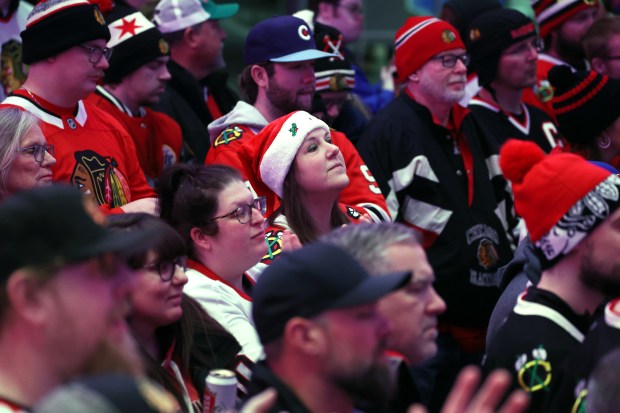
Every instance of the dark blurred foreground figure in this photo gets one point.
(65, 286)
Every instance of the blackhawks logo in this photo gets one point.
(534, 374)
(448, 36)
(228, 135)
(273, 238)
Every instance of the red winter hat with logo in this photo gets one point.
(421, 38)
(562, 197)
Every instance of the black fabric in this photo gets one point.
(62, 30)
(183, 100)
(466, 10)
(491, 33)
(287, 401)
(573, 375)
(524, 339)
(404, 130)
(584, 103)
(134, 51)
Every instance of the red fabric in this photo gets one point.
(108, 165)
(362, 188)
(153, 134)
(419, 39)
(540, 208)
(555, 20)
(214, 110)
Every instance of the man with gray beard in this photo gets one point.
(424, 151)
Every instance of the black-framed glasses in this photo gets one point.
(166, 268)
(449, 60)
(537, 44)
(96, 53)
(244, 212)
(38, 151)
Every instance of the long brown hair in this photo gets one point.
(297, 216)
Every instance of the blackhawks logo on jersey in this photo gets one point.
(273, 238)
(534, 374)
(228, 135)
(353, 213)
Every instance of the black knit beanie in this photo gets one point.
(135, 42)
(490, 34)
(584, 103)
(54, 26)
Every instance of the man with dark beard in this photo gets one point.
(279, 78)
(424, 151)
(573, 226)
(563, 25)
(316, 314)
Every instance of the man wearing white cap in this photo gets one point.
(195, 94)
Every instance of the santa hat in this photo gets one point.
(54, 26)
(268, 157)
(562, 197)
(419, 39)
(585, 103)
(550, 14)
(135, 41)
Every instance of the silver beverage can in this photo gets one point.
(220, 392)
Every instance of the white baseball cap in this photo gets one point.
(174, 15)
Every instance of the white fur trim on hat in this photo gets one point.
(281, 153)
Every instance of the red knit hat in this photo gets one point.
(268, 156)
(419, 39)
(552, 13)
(562, 197)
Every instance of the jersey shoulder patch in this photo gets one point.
(228, 135)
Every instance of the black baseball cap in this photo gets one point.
(316, 278)
(48, 225)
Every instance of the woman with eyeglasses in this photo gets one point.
(223, 228)
(295, 165)
(178, 340)
(25, 156)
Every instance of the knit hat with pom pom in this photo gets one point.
(584, 103)
(562, 197)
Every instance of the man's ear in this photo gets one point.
(598, 65)
(260, 76)
(305, 335)
(27, 296)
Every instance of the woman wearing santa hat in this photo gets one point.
(293, 163)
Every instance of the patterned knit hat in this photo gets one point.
(135, 41)
(332, 73)
(552, 13)
(419, 39)
(268, 156)
(584, 103)
(54, 26)
(562, 197)
(490, 34)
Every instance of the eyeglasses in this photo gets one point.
(537, 44)
(96, 53)
(38, 151)
(449, 60)
(244, 212)
(166, 269)
(353, 9)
